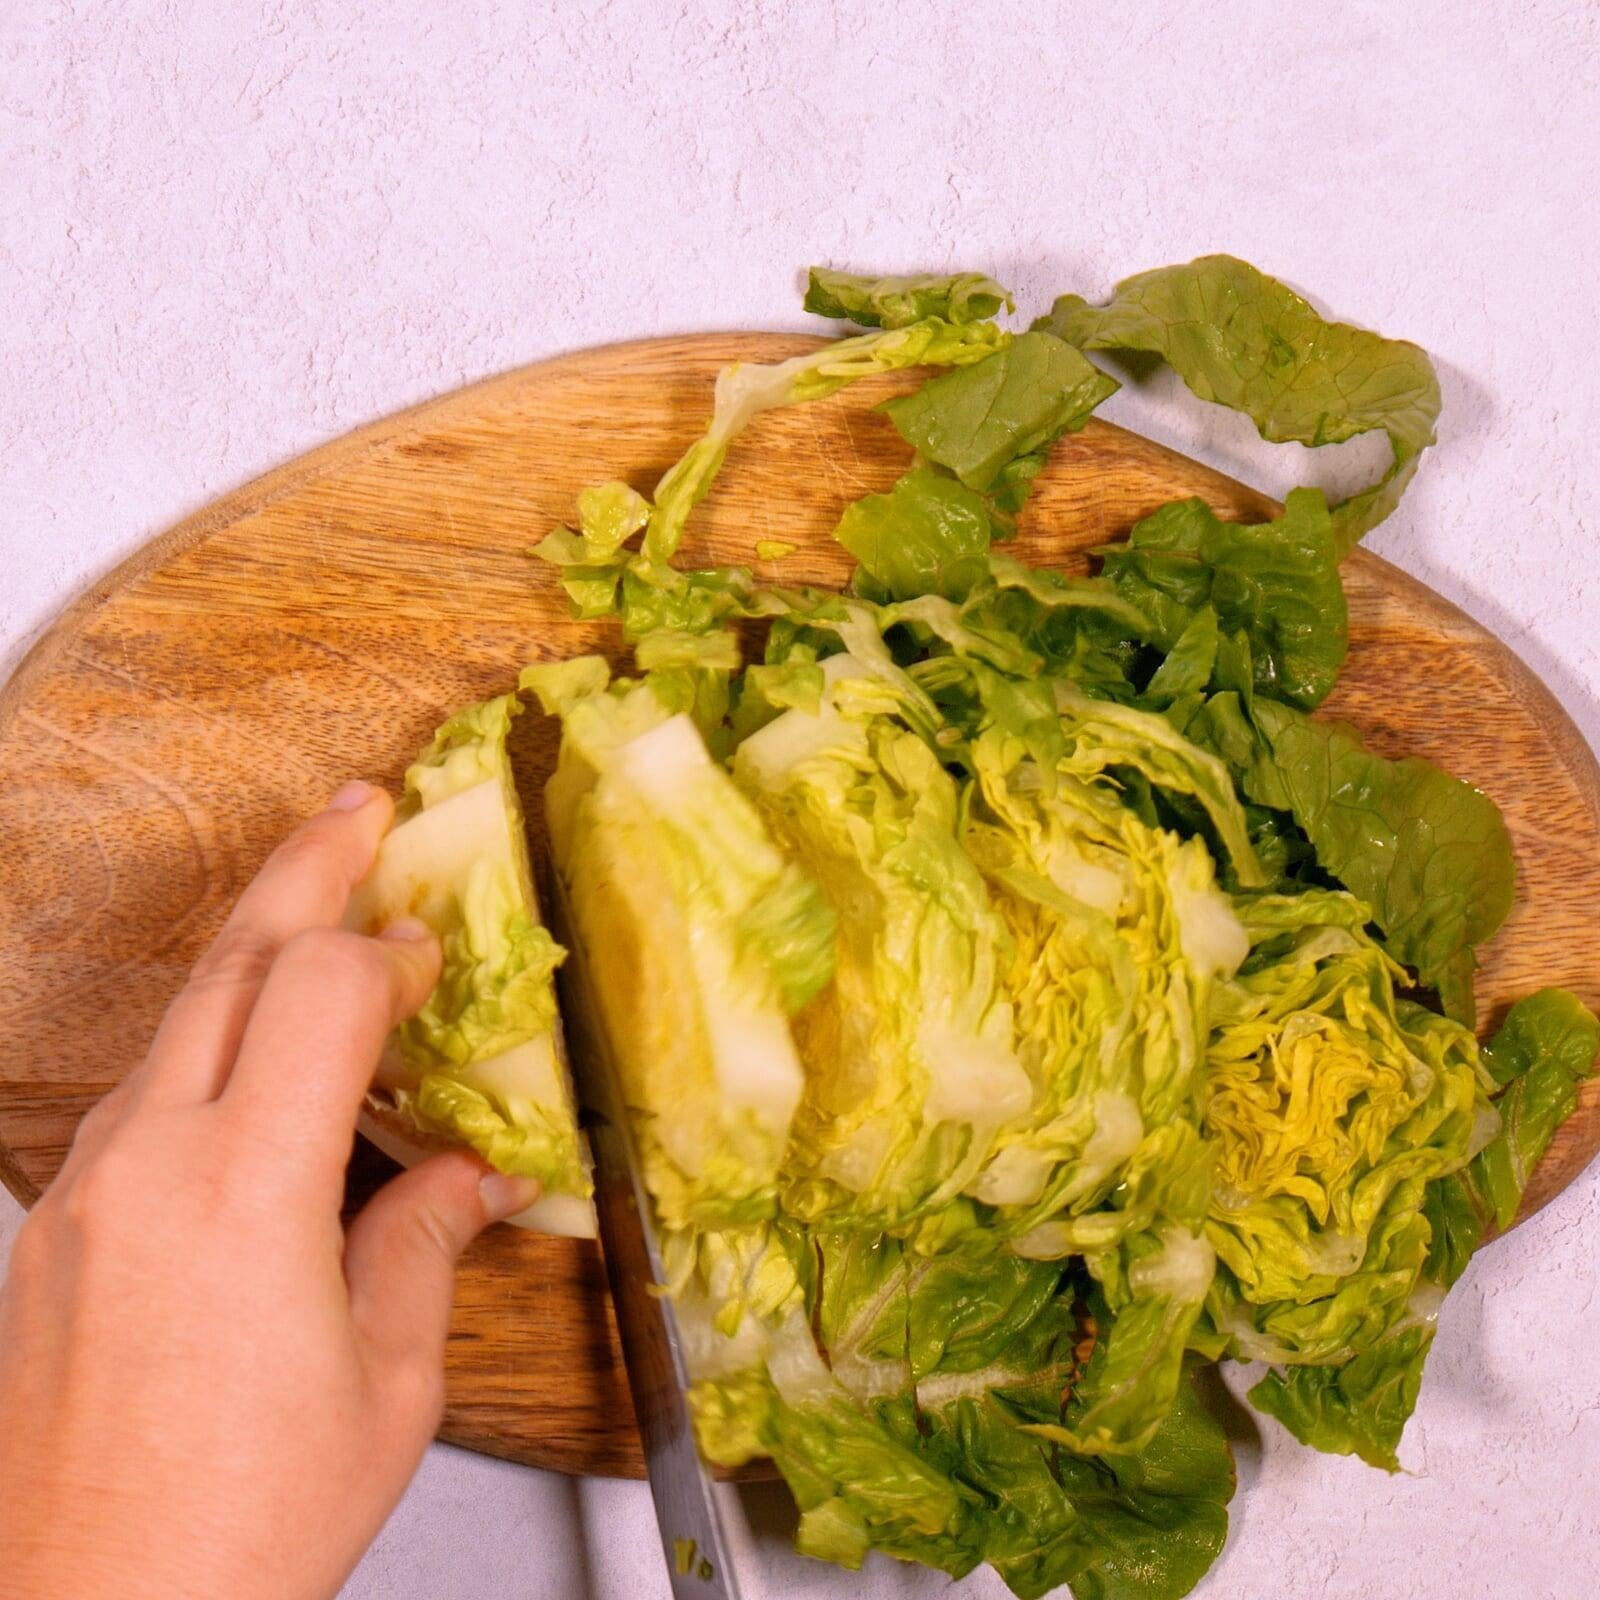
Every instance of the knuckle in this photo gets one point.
(432, 1232)
(101, 1117)
(240, 956)
(336, 958)
(100, 1191)
(313, 849)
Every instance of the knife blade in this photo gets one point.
(693, 1539)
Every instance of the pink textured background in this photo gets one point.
(228, 233)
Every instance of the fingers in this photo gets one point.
(315, 1035)
(305, 883)
(400, 1258)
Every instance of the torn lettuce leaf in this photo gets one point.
(897, 302)
(1246, 341)
(927, 535)
(480, 1064)
(1276, 583)
(1552, 1031)
(1357, 1409)
(1544, 1050)
(744, 391)
(1428, 854)
(900, 1398)
(977, 421)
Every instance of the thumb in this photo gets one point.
(400, 1254)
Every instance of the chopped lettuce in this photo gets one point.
(1275, 583)
(609, 514)
(907, 1403)
(1012, 985)
(1544, 1050)
(700, 942)
(481, 1063)
(978, 421)
(1246, 341)
(1331, 1104)
(909, 1064)
(1427, 853)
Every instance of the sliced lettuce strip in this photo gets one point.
(700, 941)
(481, 1063)
(896, 302)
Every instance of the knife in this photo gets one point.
(693, 1539)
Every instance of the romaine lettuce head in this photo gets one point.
(1330, 1104)
(700, 940)
(481, 1064)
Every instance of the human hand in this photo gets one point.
(207, 1387)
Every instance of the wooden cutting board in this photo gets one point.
(215, 689)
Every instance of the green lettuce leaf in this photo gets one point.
(1134, 1377)
(745, 391)
(1190, 660)
(1357, 1409)
(1276, 583)
(912, 1427)
(897, 302)
(1552, 1031)
(1456, 1215)
(1138, 1527)
(1427, 853)
(978, 421)
(1244, 340)
(1545, 1048)
(928, 536)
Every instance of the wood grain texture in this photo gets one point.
(216, 688)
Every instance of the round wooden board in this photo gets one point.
(212, 691)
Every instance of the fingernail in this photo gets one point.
(351, 797)
(412, 930)
(504, 1195)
